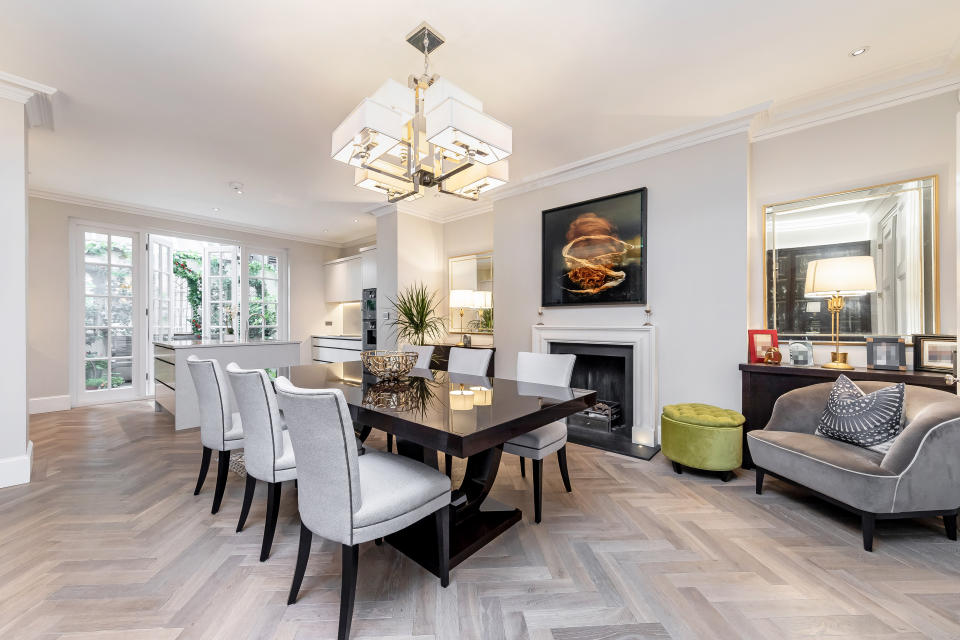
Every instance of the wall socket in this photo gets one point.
(328, 323)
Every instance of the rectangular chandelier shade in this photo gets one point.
(371, 125)
(398, 97)
(459, 128)
(847, 276)
(382, 184)
(478, 178)
(441, 90)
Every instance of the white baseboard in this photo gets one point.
(47, 404)
(16, 469)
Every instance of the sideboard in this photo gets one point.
(762, 384)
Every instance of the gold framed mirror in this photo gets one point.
(471, 294)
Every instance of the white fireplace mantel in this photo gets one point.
(646, 398)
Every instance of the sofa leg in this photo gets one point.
(760, 473)
(950, 524)
(677, 468)
(867, 522)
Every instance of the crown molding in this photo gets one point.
(177, 216)
(34, 96)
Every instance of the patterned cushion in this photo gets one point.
(870, 420)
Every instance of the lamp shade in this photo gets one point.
(848, 276)
(461, 298)
(482, 299)
(461, 399)
(371, 125)
(482, 396)
(478, 178)
(459, 128)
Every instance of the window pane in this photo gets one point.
(214, 267)
(270, 333)
(121, 312)
(95, 279)
(214, 333)
(227, 260)
(255, 318)
(226, 289)
(255, 265)
(270, 314)
(270, 267)
(256, 289)
(254, 333)
(121, 250)
(215, 288)
(96, 312)
(121, 342)
(95, 247)
(270, 289)
(96, 343)
(164, 314)
(121, 373)
(95, 374)
(216, 315)
(121, 281)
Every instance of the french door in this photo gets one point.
(263, 295)
(108, 363)
(220, 300)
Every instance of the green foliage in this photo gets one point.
(484, 322)
(416, 319)
(194, 281)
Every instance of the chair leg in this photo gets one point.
(273, 510)
(760, 473)
(223, 468)
(523, 467)
(204, 465)
(726, 476)
(378, 542)
(950, 524)
(867, 522)
(389, 443)
(537, 489)
(348, 588)
(306, 537)
(562, 459)
(248, 491)
(677, 467)
(443, 542)
(448, 464)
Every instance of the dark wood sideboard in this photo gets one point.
(441, 356)
(762, 384)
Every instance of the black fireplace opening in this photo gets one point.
(608, 370)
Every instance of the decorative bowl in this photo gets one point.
(388, 365)
(392, 395)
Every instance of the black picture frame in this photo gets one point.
(919, 340)
(622, 217)
(886, 352)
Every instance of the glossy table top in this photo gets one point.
(454, 413)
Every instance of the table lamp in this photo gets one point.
(462, 298)
(836, 279)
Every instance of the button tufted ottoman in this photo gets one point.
(702, 436)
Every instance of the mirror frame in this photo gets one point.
(478, 254)
(935, 245)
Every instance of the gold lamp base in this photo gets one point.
(838, 360)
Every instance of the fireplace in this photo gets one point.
(619, 364)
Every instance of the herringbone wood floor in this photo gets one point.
(108, 541)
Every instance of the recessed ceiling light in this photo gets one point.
(216, 208)
(356, 220)
(859, 51)
(237, 188)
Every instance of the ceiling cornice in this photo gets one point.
(34, 96)
(178, 216)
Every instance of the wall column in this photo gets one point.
(22, 103)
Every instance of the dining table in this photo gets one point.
(468, 417)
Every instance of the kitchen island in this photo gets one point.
(174, 386)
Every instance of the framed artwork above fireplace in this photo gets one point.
(594, 252)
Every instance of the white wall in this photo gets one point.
(49, 294)
(697, 265)
(907, 141)
(387, 236)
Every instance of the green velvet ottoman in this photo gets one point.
(702, 436)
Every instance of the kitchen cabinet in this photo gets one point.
(342, 279)
(335, 348)
(368, 269)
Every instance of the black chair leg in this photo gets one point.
(537, 489)
(302, 556)
(248, 491)
(389, 443)
(562, 459)
(443, 542)
(950, 524)
(204, 465)
(378, 542)
(348, 588)
(273, 510)
(448, 464)
(677, 467)
(523, 467)
(223, 468)
(760, 473)
(867, 522)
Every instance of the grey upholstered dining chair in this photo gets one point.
(424, 356)
(554, 369)
(350, 498)
(220, 427)
(472, 362)
(268, 454)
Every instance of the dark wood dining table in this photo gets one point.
(466, 416)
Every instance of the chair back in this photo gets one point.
(260, 416)
(329, 480)
(424, 354)
(213, 396)
(545, 368)
(473, 362)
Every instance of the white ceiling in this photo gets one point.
(162, 104)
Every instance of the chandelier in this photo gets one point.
(405, 139)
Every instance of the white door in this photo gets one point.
(107, 361)
(264, 299)
(220, 299)
(161, 290)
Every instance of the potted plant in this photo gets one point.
(416, 320)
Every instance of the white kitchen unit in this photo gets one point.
(342, 279)
(175, 391)
(368, 269)
(335, 348)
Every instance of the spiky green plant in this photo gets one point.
(416, 319)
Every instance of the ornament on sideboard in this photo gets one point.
(772, 356)
(540, 314)
(649, 313)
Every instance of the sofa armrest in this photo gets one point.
(931, 479)
(800, 410)
(914, 440)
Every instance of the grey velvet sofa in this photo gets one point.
(918, 477)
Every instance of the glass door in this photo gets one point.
(161, 288)
(109, 362)
(263, 296)
(220, 300)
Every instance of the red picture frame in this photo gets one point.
(758, 341)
